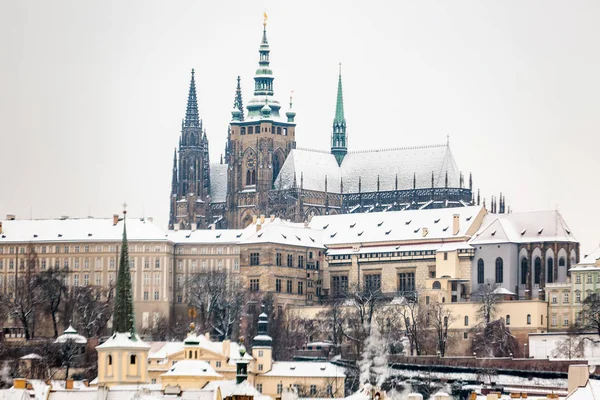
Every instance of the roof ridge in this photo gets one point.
(312, 150)
(428, 146)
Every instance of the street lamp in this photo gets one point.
(525, 350)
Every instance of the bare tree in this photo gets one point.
(361, 307)
(218, 301)
(441, 319)
(494, 340)
(23, 299)
(52, 290)
(588, 319)
(487, 300)
(572, 346)
(91, 308)
(334, 318)
(159, 331)
(414, 316)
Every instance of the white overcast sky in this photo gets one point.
(92, 93)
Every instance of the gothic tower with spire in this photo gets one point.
(258, 145)
(190, 188)
(339, 142)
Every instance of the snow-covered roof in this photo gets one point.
(394, 226)
(592, 258)
(218, 182)
(31, 356)
(70, 334)
(306, 369)
(503, 291)
(162, 350)
(124, 341)
(78, 230)
(526, 227)
(590, 391)
(283, 232)
(404, 163)
(436, 247)
(192, 368)
(230, 388)
(206, 236)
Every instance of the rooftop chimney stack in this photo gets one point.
(115, 219)
(455, 224)
(10, 217)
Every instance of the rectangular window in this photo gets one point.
(76, 249)
(254, 285)
(156, 295)
(179, 298)
(465, 335)
(339, 285)
(156, 278)
(43, 250)
(300, 261)
(236, 265)
(566, 320)
(254, 259)
(218, 364)
(313, 390)
(372, 283)
(300, 287)
(259, 387)
(577, 297)
(86, 249)
(278, 285)
(406, 282)
(146, 263)
(76, 263)
(278, 259)
(112, 263)
(445, 256)
(554, 320)
(589, 278)
(98, 263)
(289, 286)
(279, 388)
(179, 265)
(260, 367)
(65, 264)
(554, 299)
(146, 279)
(11, 264)
(98, 280)
(86, 279)
(75, 280)
(566, 298)
(203, 265)
(157, 263)
(86, 263)
(577, 278)
(290, 260)
(194, 266)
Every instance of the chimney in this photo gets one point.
(150, 219)
(258, 226)
(0, 226)
(69, 384)
(226, 347)
(254, 219)
(19, 383)
(207, 335)
(272, 217)
(193, 227)
(10, 217)
(455, 224)
(115, 219)
(424, 231)
(415, 396)
(262, 219)
(86, 383)
(176, 226)
(579, 375)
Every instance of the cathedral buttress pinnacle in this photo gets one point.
(339, 146)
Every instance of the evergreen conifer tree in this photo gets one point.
(123, 314)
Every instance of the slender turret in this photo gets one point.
(339, 146)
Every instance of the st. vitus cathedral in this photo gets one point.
(264, 173)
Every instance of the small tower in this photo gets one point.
(339, 145)
(238, 103)
(262, 349)
(123, 358)
(241, 364)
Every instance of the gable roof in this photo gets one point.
(306, 369)
(527, 227)
(286, 233)
(395, 226)
(404, 163)
(77, 230)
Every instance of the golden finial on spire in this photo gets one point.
(265, 19)
(291, 98)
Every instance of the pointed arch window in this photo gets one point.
(480, 271)
(253, 178)
(537, 265)
(524, 271)
(550, 270)
(499, 270)
(248, 177)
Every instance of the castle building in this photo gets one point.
(264, 173)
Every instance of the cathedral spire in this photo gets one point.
(339, 147)
(191, 114)
(123, 314)
(238, 104)
(174, 178)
